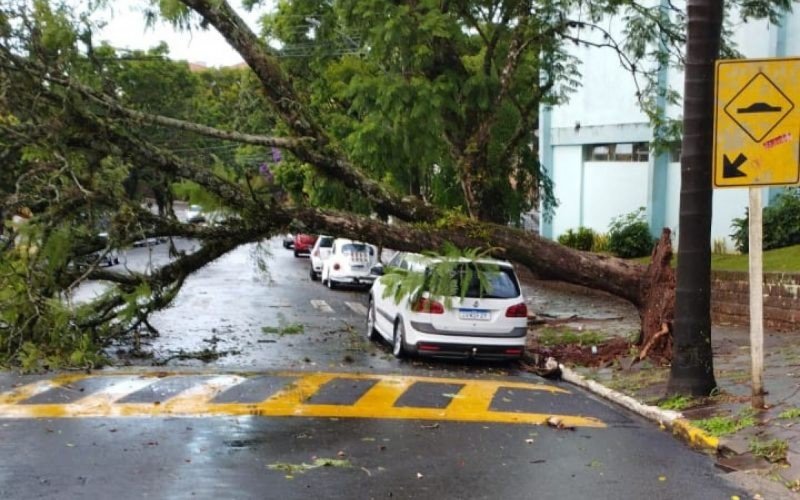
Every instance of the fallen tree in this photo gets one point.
(68, 138)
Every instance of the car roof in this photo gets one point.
(425, 260)
(346, 241)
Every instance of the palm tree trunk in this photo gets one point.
(692, 369)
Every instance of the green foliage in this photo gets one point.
(789, 414)
(781, 223)
(600, 243)
(290, 329)
(676, 402)
(439, 276)
(773, 451)
(581, 239)
(629, 235)
(723, 426)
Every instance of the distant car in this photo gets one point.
(303, 243)
(288, 241)
(350, 262)
(195, 215)
(99, 258)
(492, 325)
(320, 252)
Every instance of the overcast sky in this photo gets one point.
(126, 29)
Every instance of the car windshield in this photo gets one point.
(500, 280)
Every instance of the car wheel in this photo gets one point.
(399, 340)
(372, 333)
(311, 274)
(331, 284)
(286, 245)
(296, 253)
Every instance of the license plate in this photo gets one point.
(474, 314)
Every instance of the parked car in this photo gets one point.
(350, 262)
(320, 252)
(195, 215)
(288, 241)
(99, 258)
(490, 325)
(303, 243)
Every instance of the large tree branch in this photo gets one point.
(290, 107)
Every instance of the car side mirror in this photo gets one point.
(377, 270)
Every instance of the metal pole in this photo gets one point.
(756, 299)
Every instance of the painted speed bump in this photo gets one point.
(286, 394)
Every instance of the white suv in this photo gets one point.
(319, 253)
(488, 325)
(350, 262)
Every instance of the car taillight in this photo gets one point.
(428, 306)
(336, 266)
(514, 352)
(428, 347)
(517, 311)
(316, 253)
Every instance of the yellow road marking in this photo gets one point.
(470, 404)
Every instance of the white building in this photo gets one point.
(596, 147)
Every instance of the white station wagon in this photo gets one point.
(491, 325)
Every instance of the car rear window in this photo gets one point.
(326, 241)
(357, 247)
(501, 280)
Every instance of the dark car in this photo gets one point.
(303, 243)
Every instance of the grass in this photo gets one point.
(773, 451)
(723, 426)
(632, 382)
(677, 402)
(549, 336)
(780, 260)
(790, 413)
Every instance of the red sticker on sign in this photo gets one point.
(778, 140)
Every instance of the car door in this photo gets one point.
(385, 308)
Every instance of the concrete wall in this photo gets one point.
(730, 300)
(612, 189)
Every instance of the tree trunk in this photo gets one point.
(692, 364)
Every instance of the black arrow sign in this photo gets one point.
(731, 170)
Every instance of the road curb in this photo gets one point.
(673, 420)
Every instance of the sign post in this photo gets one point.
(756, 299)
(757, 143)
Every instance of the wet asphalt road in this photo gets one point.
(197, 454)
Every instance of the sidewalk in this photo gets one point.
(762, 444)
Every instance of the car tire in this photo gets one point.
(331, 284)
(372, 333)
(399, 340)
(311, 274)
(286, 245)
(296, 253)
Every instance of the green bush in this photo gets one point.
(629, 235)
(580, 239)
(781, 223)
(600, 243)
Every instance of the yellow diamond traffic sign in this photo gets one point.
(757, 123)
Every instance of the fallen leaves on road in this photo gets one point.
(432, 426)
(558, 423)
(291, 469)
(529, 441)
(419, 475)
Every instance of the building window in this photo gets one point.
(619, 152)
